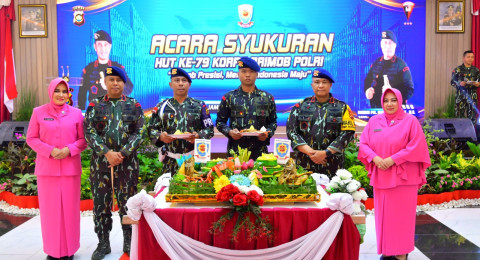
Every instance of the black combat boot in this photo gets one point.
(103, 249)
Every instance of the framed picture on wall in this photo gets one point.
(451, 16)
(33, 20)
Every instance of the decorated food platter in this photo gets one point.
(181, 136)
(275, 183)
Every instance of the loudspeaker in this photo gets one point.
(8, 129)
(459, 129)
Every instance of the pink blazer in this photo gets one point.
(47, 131)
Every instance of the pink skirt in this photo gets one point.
(395, 215)
(59, 200)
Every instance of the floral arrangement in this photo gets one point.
(343, 183)
(245, 200)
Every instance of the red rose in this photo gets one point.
(255, 198)
(230, 188)
(240, 200)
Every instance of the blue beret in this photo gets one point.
(102, 36)
(178, 72)
(246, 62)
(322, 73)
(387, 34)
(116, 71)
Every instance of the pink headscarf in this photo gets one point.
(400, 114)
(51, 89)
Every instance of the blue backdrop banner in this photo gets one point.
(287, 38)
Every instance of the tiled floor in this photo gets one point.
(443, 234)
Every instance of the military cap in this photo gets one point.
(450, 6)
(102, 36)
(178, 72)
(387, 34)
(246, 62)
(116, 71)
(322, 73)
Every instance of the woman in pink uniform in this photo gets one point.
(395, 154)
(55, 132)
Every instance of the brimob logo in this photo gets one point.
(78, 15)
(245, 12)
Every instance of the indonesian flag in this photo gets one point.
(10, 86)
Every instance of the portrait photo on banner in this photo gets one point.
(451, 16)
(33, 20)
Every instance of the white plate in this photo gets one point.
(181, 136)
(252, 133)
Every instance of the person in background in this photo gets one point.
(465, 79)
(387, 71)
(395, 154)
(55, 133)
(93, 74)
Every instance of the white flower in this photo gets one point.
(344, 183)
(353, 186)
(357, 195)
(344, 174)
(252, 176)
(364, 194)
(356, 208)
(336, 179)
(257, 189)
(320, 179)
(242, 188)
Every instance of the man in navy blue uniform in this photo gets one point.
(388, 71)
(93, 74)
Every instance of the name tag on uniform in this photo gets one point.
(48, 119)
(377, 130)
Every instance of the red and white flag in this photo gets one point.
(10, 86)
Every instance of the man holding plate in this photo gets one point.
(176, 122)
(252, 113)
(465, 78)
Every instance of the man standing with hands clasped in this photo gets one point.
(320, 127)
(113, 129)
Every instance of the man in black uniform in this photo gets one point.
(247, 106)
(320, 127)
(93, 74)
(388, 71)
(114, 130)
(181, 113)
(465, 78)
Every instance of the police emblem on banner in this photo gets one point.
(78, 15)
(245, 12)
(282, 150)
(202, 150)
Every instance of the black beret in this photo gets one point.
(387, 34)
(102, 36)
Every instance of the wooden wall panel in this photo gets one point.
(36, 59)
(443, 52)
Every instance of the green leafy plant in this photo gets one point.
(448, 111)
(150, 169)
(25, 184)
(474, 148)
(360, 174)
(351, 154)
(26, 104)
